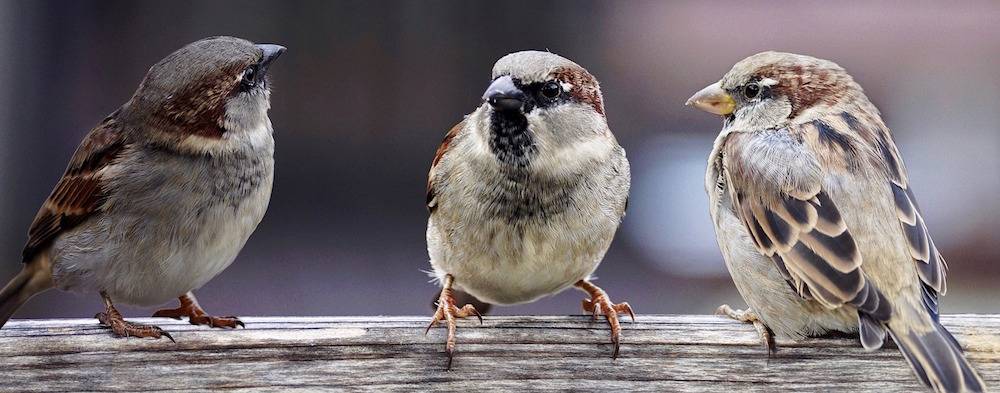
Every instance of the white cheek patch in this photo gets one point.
(259, 137)
(569, 137)
(597, 149)
(571, 159)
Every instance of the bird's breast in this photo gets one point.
(171, 223)
(514, 237)
(507, 263)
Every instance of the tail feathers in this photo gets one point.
(34, 278)
(937, 359)
(871, 331)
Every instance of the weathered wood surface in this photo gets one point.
(659, 353)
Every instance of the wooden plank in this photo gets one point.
(379, 354)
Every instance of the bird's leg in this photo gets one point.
(196, 315)
(749, 316)
(122, 328)
(447, 311)
(600, 303)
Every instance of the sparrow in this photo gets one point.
(161, 196)
(526, 193)
(816, 217)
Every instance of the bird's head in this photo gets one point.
(773, 89)
(205, 92)
(540, 100)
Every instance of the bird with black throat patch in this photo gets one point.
(817, 219)
(162, 195)
(526, 194)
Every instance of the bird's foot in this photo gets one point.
(749, 316)
(599, 303)
(197, 316)
(462, 297)
(448, 312)
(122, 328)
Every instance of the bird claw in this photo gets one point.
(229, 322)
(122, 328)
(749, 316)
(197, 316)
(598, 304)
(447, 311)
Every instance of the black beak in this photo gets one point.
(503, 95)
(271, 52)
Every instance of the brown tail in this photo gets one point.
(34, 278)
(937, 359)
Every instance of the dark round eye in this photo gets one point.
(751, 90)
(551, 90)
(249, 76)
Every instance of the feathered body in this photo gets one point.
(816, 219)
(524, 206)
(186, 217)
(161, 196)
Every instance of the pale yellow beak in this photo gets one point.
(713, 99)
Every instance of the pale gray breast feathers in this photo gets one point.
(170, 223)
(475, 183)
(175, 184)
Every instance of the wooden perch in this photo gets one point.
(378, 354)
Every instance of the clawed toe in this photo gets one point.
(196, 315)
(749, 316)
(447, 311)
(217, 322)
(599, 304)
(122, 328)
(125, 329)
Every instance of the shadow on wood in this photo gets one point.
(659, 353)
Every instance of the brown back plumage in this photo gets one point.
(815, 127)
(80, 192)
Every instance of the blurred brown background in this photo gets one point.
(368, 88)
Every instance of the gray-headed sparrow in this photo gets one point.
(162, 195)
(816, 218)
(526, 193)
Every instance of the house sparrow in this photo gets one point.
(526, 193)
(816, 218)
(162, 195)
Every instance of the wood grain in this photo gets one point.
(385, 354)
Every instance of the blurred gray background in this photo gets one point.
(368, 88)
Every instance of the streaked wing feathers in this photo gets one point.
(805, 235)
(80, 192)
(442, 150)
(931, 266)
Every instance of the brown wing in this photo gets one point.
(931, 266)
(441, 151)
(80, 192)
(776, 187)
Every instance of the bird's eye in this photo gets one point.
(249, 76)
(551, 90)
(751, 90)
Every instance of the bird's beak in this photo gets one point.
(271, 52)
(713, 99)
(503, 95)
